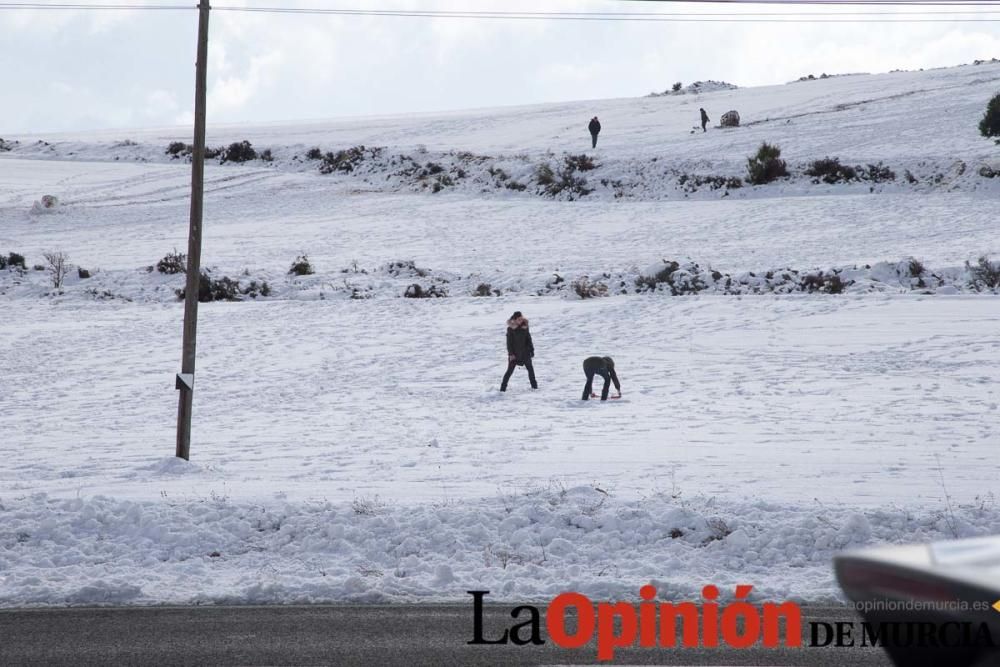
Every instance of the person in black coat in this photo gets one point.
(704, 120)
(520, 349)
(595, 129)
(605, 367)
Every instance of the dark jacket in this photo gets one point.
(603, 366)
(704, 116)
(595, 126)
(519, 342)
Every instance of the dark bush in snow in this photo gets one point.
(984, 274)
(214, 289)
(346, 160)
(677, 87)
(266, 155)
(829, 283)
(239, 151)
(834, 285)
(579, 163)
(661, 276)
(829, 170)
(13, 261)
(989, 125)
(212, 153)
(179, 149)
(442, 181)
(693, 182)
(6, 145)
(877, 173)
(415, 291)
(172, 262)
(255, 289)
(766, 166)
(566, 180)
(485, 289)
(82, 273)
(678, 279)
(314, 154)
(544, 174)
(301, 266)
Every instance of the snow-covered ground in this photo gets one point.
(359, 449)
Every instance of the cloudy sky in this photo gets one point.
(73, 70)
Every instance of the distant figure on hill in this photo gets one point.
(520, 349)
(704, 120)
(595, 129)
(605, 367)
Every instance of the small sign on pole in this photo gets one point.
(185, 381)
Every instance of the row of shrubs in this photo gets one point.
(984, 275)
(226, 289)
(566, 179)
(238, 151)
(765, 166)
(672, 277)
(830, 170)
(176, 262)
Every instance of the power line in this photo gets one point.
(880, 16)
(504, 13)
(641, 17)
(555, 14)
(869, 3)
(81, 6)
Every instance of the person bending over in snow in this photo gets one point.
(520, 349)
(704, 120)
(595, 129)
(605, 367)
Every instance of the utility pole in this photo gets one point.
(185, 379)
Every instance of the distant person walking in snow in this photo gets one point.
(605, 367)
(704, 120)
(595, 129)
(520, 349)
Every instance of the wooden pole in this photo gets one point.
(185, 379)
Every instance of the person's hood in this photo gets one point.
(513, 325)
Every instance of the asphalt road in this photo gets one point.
(408, 635)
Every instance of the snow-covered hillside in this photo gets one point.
(827, 380)
(921, 125)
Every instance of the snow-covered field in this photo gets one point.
(359, 449)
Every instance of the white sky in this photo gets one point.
(73, 70)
